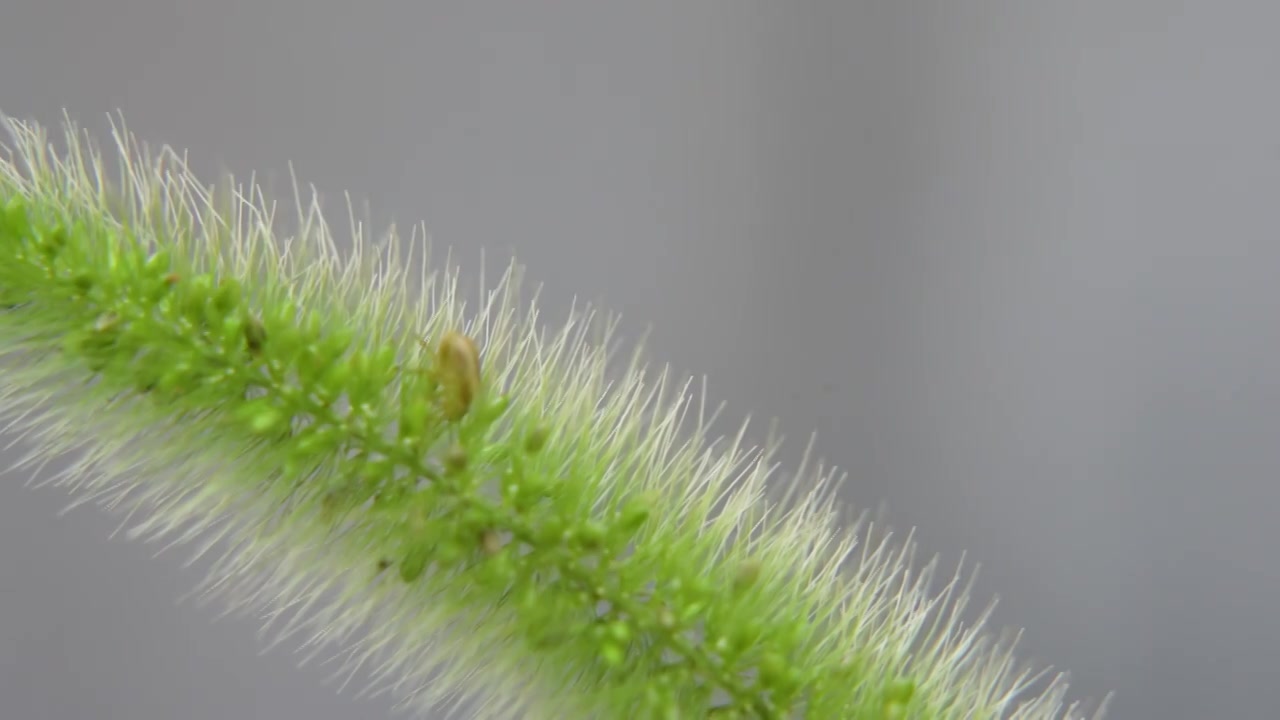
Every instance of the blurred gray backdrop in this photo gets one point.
(1016, 263)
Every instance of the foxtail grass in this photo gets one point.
(454, 501)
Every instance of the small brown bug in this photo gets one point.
(458, 372)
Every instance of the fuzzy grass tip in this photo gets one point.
(465, 506)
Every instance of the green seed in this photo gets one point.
(255, 335)
(455, 459)
(536, 439)
(612, 654)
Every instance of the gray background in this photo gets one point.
(1015, 262)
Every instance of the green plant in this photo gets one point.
(466, 503)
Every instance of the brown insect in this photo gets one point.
(458, 373)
